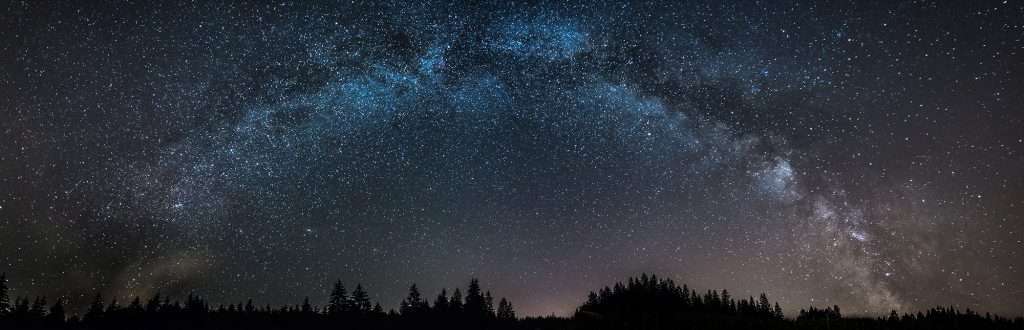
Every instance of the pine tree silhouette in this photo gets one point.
(95, 312)
(21, 309)
(38, 310)
(306, 307)
(456, 303)
(338, 300)
(475, 305)
(505, 311)
(361, 300)
(488, 305)
(5, 300)
(441, 303)
(113, 307)
(413, 303)
(645, 302)
(55, 318)
(152, 305)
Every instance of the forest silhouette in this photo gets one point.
(644, 302)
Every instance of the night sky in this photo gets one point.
(866, 154)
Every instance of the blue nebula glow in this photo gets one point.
(541, 37)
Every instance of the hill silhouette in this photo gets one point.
(644, 302)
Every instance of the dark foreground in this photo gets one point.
(642, 303)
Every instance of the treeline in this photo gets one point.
(645, 302)
(648, 302)
(476, 309)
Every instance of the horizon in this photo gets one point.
(320, 304)
(868, 156)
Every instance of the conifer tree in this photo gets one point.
(441, 303)
(505, 311)
(475, 304)
(95, 312)
(114, 307)
(763, 306)
(136, 306)
(5, 300)
(56, 316)
(488, 304)
(592, 299)
(361, 300)
(38, 309)
(306, 307)
(21, 309)
(456, 304)
(338, 300)
(413, 303)
(152, 305)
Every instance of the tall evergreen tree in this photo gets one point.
(5, 300)
(488, 304)
(38, 309)
(763, 306)
(441, 303)
(456, 304)
(413, 303)
(152, 305)
(306, 307)
(56, 316)
(505, 311)
(135, 307)
(95, 312)
(475, 304)
(592, 299)
(338, 299)
(114, 307)
(361, 300)
(21, 309)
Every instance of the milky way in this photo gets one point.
(869, 156)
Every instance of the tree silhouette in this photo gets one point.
(413, 303)
(505, 311)
(306, 307)
(5, 300)
(645, 302)
(361, 300)
(488, 304)
(455, 304)
(113, 307)
(441, 303)
(152, 305)
(475, 305)
(38, 309)
(135, 307)
(338, 300)
(55, 317)
(95, 312)
(21, 309)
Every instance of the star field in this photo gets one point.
(865, 155)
